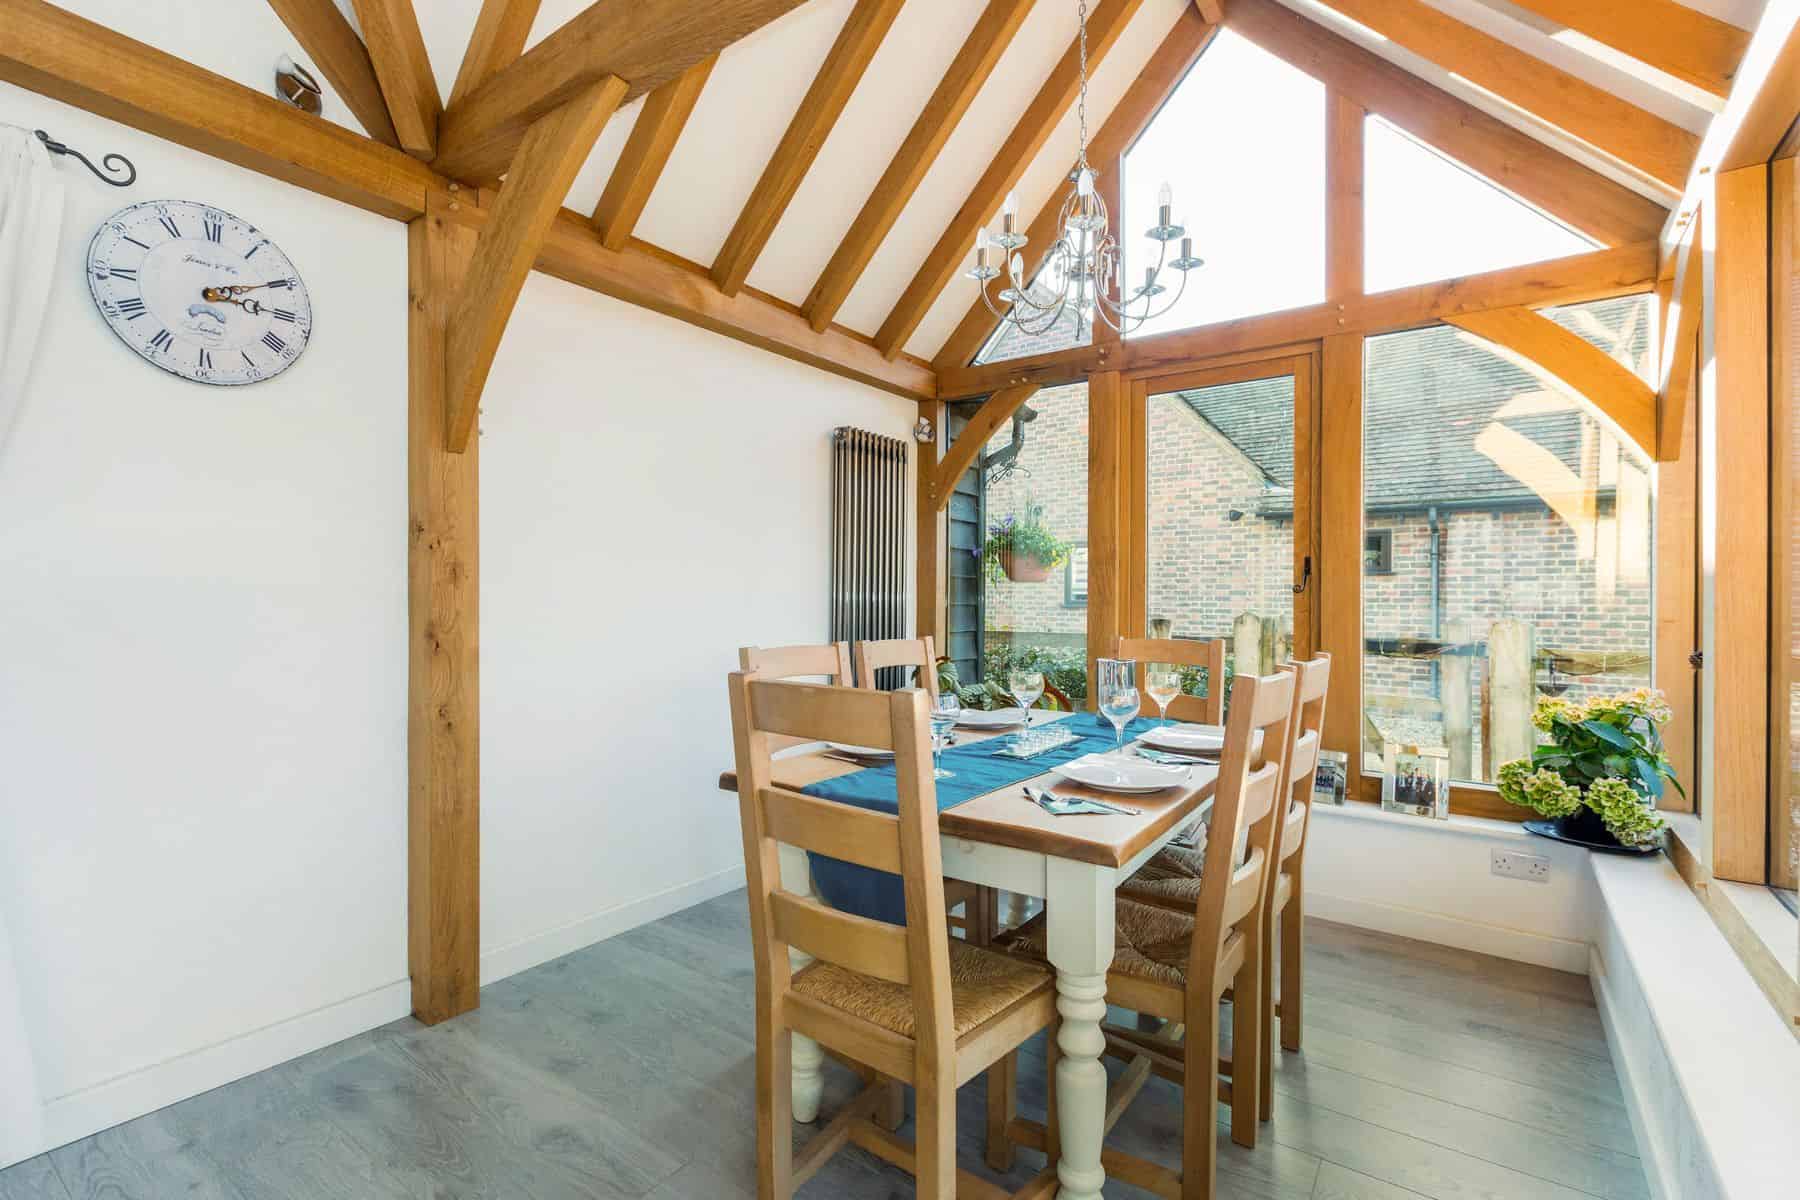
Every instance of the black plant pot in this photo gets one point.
(1583, 827)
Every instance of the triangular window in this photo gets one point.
(1428, 217)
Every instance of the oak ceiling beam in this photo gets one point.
(496, 41)
(819, 110)
(391, 30)
(1105, 24)
(1655, 149)
(965, 451)
(1600, 275)
(1180, 49)
(55, 53)
(1555, 354)
(1211, 11)
(327, 37)
(538, 179)
(644, 42)
(659, 124)
(974, 62)
(1569, 191)
(1677, 40)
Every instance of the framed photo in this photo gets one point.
(1331, 782)
(1416, 781)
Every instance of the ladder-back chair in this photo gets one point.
(908, 1002)
(1208, 653)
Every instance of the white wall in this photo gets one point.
(1430, 880)
(202, 703)
(203, 631)
(652, 497)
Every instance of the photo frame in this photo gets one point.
(1331, 781)
(1415, 781)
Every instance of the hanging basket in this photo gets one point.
(1024, 568)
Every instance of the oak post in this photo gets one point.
(443, 733)
(1108, 429)
(933, 533)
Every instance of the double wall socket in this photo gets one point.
(1510, 864)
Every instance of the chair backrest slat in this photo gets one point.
(917, 954)
(830, 662)
(868, 839)
(1312, 685)
(1252, 770)
(921, 653)
(852, 942)
(1186, 652)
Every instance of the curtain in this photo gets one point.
(31, 213)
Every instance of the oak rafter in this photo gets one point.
(1033, 129)
(659, 124)
(397, 48)
(1658, 151)
(496, 41)
(1679, 41)
(819, 110)
(334, 46)
(962, 80)
(645, 42)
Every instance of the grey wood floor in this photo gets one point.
(625, 1070)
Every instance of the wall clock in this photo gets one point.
(199, 292)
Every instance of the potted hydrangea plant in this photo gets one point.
(1022, 548)
(1598, 775)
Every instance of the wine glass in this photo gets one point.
(1162, 682)
(1119, 700)
(1026, 686)
(944, 712)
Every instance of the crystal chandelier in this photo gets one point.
(1085, 268)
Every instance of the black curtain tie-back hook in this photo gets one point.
(114, 162)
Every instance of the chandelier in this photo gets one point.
(1084, 271)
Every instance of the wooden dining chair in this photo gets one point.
(829, 661)
(1208, 653)
(1178, 966)
(907, 1003)
(920, 653)
(1172, 879)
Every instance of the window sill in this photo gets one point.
(1456, 824)
(1759, 929)
(1711, 1076)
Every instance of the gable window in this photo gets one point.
(1075, 578)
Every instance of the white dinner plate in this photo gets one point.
(1186, 738)
(1111, 773)
(873, 753)
(999, 718)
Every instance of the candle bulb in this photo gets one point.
(1010, 206)
(1165, 200)
(981, 246)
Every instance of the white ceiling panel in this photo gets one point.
(912, 58)
(749, 100)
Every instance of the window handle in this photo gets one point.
(1305, 575)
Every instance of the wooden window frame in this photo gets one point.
(1784, 254)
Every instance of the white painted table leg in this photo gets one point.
(808, 1059)
(1080, 902)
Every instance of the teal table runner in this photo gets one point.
(978, 769)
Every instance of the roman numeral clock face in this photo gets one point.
(199, 292)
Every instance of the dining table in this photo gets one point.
(1074, 864)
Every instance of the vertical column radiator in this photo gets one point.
(869, 510)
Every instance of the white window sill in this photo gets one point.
(1454, 825)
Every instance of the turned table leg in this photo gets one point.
(1080, 901)
(808, 1059)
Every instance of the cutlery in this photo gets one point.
(1174, 760)
(1068, 805)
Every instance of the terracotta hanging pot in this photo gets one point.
(1024, 568)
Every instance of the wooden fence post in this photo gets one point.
(1246, 644)
(1458, 701)
(1511, 694)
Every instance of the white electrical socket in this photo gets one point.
(1510, 864)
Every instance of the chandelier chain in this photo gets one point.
(1081, 98)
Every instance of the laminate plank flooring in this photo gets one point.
(625, 1070)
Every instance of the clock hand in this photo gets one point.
(222, 296)
(236, 289)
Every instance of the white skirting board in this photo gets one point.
(540, 948)
(1500, 941)
(79, 1114)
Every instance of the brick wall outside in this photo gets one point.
(1586, 593)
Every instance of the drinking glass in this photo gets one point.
(1026, 687)
(1162, 682)
(1119, 699)
(944, 712)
